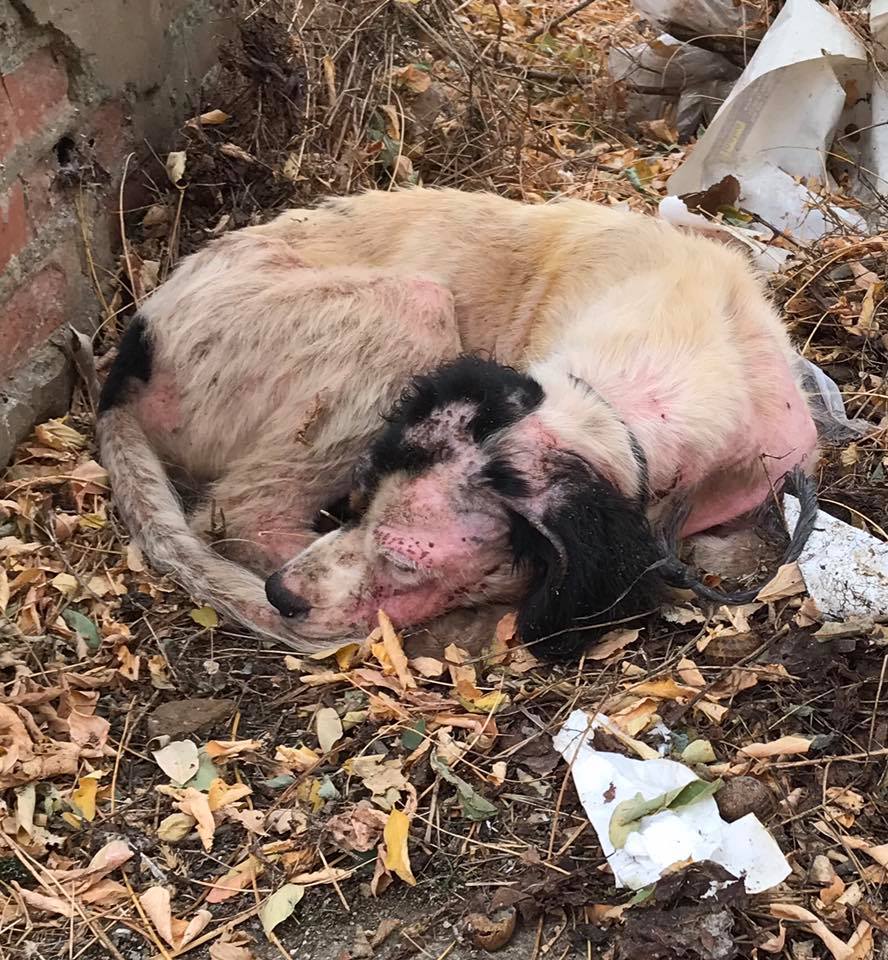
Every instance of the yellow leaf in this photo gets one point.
(64, 583)
(175, 827)
(397, 858)
(309, 792)
(666, 689)
(394, 652)
(92, 521)
(222, 794)
(205, 617)
(72, 820)
(345, 655)
(57, 435)
(84, 797)
(299, 759)
(462, 674)
(489, 703)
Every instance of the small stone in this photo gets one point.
(179, 717)
(743, 795)
(494, 931)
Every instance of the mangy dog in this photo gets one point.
(645, 368)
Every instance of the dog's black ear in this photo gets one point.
(591, 558)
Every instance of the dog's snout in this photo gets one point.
(288, 604)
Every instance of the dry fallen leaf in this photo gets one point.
(211, 118)
(175, 166)
(329, 728)
(462, 674)
(611, 643)
(300, 759)
(784, 745)
(175, 827)
(235, 881)
(393, 650)
(225, 749)
(221, 794)
(787, 582)
(178, 760)
(196, 804)
(280, 905)
(791, 911)
(397, 857)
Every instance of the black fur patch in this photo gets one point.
(133, 362)
(334, 515)
(499, 396)
(610, 552)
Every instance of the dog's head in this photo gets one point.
(469, 496)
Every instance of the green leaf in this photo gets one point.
(84, 626)
(207, 771)
(627, 816)
(473, 805)
(414, 736)
(206, 617)
(280, 905)
(698, 751)
(278, 783)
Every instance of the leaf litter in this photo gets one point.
(323, 781)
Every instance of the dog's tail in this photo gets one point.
(152, 511)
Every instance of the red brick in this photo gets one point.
(40, 199)
(108, 131)
(31, 314)
(13, 223)
(29, 98)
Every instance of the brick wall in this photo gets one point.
(82, 83)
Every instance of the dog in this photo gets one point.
(488, 401)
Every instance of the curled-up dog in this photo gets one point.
(558, 383)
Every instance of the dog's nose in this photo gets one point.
(288, 604)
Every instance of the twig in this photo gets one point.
(552, 24)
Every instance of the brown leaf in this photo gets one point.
(787, 582)
(725, 193)
(412, 78)
(235, 881)
(611, 643)
(462, 674)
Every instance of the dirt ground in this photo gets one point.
(300, 763)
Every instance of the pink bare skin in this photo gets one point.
(426, 545)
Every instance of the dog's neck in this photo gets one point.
(586, 423)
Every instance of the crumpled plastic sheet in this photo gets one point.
(668, 75)
(808, 97)
(845, 569)
(702, 18)
(828, 407)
